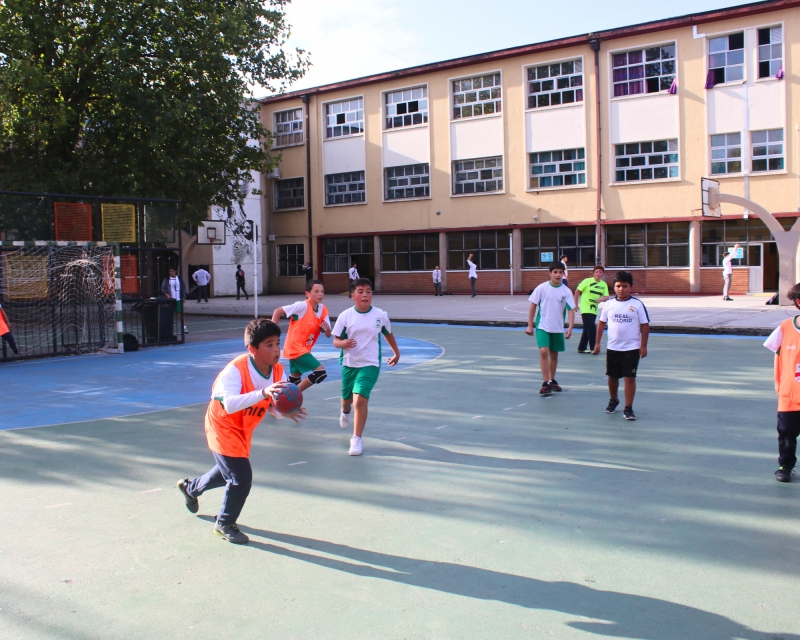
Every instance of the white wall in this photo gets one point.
(406, 146)
(340, 155)
(477, 138)
(644, 118)
(556, 128)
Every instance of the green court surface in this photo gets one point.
(478, 510)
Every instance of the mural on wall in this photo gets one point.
(238, 247)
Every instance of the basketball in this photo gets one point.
(289, 398)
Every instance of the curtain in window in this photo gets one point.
(710, 79)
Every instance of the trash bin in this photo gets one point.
(166, 316)
(157, 319)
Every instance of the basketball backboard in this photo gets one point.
(711, 203)
(211, 232)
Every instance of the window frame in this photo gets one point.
(571, 249)
(451, 96)
(758, 28)
(275, 194)
(347, 256)
(502, 178)
(752, 157)
(643, 49)
(727, 34)
(385, 105)
(742, 159)
(477, 251)
(325, 114)
(646, 244)
(344, 204)
(275, 123)
(425, 252)
(386, 186)
(297, 265)
(526, 85)
(613, 155)
(529, 171)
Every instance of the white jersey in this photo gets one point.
(175, 288)
(473, 269)
(298, 309)
(201, 277)
(624, 319)
(366, 329)
(727, 265)
(353, 273)
(551, 306)
(437, 275)
(228, 388)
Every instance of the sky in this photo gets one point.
(353, 38)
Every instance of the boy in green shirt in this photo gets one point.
(590, 292)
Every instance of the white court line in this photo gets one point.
(60, 504)
(151, 491)
(522, 405)
(333, 398)
(474, 417)
(444, 426)
(294, 464)
(508, 409)
(399, 439)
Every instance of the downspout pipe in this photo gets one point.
(594, 44)
(306, 99)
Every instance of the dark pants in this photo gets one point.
(472, 282)
(202, 292)
(437, 288)
(7, 337)
(788, 430)
(240, 287)
(589, 331)
(236, 475)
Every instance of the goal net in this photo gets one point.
(59, 297)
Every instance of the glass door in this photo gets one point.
(754, 267)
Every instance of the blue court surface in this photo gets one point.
(93, 387)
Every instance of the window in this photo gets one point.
(577, 243)
(649, 70)
(558, 168)
(289, 193)
(415, 252)
(411, 181)
(554, 84)
(720, 235)
(638, 161)
(726, 153)
(478, 96)
(660, 244)
(407, 107)
(345, 188)
(490, 249)
(726, 58)
(478, 176)
(290, 259)
(338, 253)
(344, 118)
(770, 52)
(289, 128)
(767, 150)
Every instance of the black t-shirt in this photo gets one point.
(240, 275)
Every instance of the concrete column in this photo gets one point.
(377, 263)
(516, 237)
(695, 255)
(443, 259)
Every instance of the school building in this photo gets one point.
(591, 146)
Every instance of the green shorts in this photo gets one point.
(358, 380)
(304, 363)
(552, 341)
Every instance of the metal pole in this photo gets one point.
(511, 260)
(255, 269)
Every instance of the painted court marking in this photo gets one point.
(151, 491)
(294, 464)
(444, 426)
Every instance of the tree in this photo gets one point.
(145, 99)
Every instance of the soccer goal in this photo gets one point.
(61, 297)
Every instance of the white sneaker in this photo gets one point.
(344, 420)
(185, 329)
(356, 447)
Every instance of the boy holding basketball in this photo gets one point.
(307, 319)
(357, 333)
(242, 394)
(550, 302)
(784, 342)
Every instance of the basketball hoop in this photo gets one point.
(710, 193)
(211, 232)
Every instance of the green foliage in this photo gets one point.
(147, 99)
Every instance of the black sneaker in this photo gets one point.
(628, 413)
(191, 503)
(784, 474)
(555, 386)
(231, 533)
(612, 406)
(546, 390)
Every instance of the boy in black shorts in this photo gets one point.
(628, 330)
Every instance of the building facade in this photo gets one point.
(591, 147)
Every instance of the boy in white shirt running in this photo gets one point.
(550, 302)
(357, 333)
(628, 330)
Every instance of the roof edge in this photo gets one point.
(714, 15)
